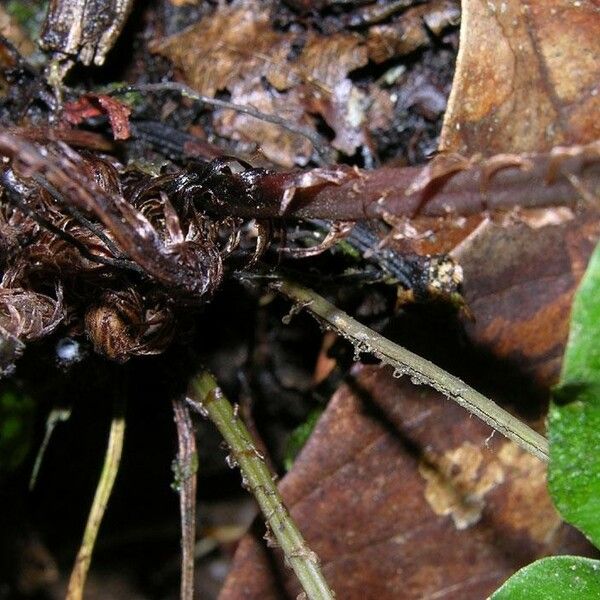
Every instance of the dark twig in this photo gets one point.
(14, 195)
(185, 480)
(377, 13)
(173, 142)
(94, 228)
(310, 134)
(448, 185)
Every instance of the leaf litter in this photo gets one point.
(375, 83)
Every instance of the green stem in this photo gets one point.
(112, 458)
(56, 416)
(418, 368)
(206, 397)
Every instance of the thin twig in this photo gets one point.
(416, 367)
(112, 458)
(94, 228)
(185, 481)
(14, 196)
(54, 418)
(185, 90)
(208, 399)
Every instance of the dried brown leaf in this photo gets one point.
(235, 42)
(93, 105)
(403, 495)
(520, 276)
(279, 145)
(410, 32)
(326, 60)
(527, 77)
(236, 49)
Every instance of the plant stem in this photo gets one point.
(208, 399)
(418, 368)
(112, 459)
(56, 416)
(185, 480)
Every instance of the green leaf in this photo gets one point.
(16, 428)
(574, 417)
(574, 473)
(581, 363)
(554, 578)
(299, 437)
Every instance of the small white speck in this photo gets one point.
(68, 351)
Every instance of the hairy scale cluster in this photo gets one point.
(111, 252)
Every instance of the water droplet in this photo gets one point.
(415, 380)
(231, 461)
(177, 476)
(398, 373)
(360, 348)
(69, 352)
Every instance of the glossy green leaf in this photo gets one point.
(581, 363)
(554, 578)
(574, 417)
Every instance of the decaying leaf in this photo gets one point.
(403, 495)
(519, 282)
(448, 465)
(93, 105)
(521, 84)
(527, 77)
(412, 31)
(236, 49)
(449, 475)
(235, 42)
(276, 143)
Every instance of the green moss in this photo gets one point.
(299, 437)
(16, 428)
(29, 14)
